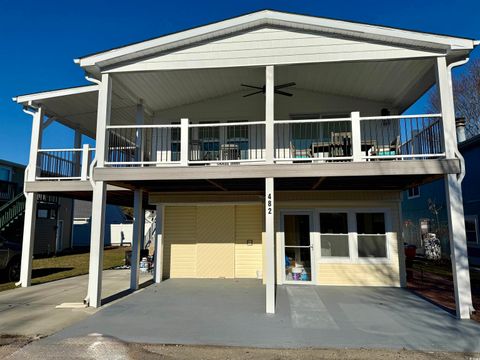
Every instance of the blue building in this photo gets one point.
(424, 206)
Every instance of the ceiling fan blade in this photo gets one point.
(253, 87)
(285, 85)
(283, 93)
(254, 93)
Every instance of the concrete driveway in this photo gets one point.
(32, 311)
(231, 313)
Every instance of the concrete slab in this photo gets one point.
(32, 311)
(231, 313)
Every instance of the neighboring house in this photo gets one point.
(82, 217)
(53, 218)
(272, 145)
(420, 202)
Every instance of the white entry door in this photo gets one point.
(298, 264)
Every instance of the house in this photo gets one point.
(272, 145)
(424, 208)
(53, 214)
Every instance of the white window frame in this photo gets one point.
(413, 196)
(388, 236)
(350, 233)
(475, 220)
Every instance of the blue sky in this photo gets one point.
(40, 39)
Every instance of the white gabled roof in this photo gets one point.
(281, 19)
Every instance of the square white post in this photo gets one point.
(139, 142)
(356, 136)
(94, 296)
(269, 246)
(85, 161)
(269, 114)
(137, 235)
(31, 201)
(184, 142)
(96, 245)
(157, 276)
(103, 118)
(453, 191)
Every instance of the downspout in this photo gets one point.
(459, 156)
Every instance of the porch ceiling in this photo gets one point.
(397, 83)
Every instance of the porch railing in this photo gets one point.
(7, 190)
(352, 138)
(64, 164)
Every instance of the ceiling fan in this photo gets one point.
(261, 89)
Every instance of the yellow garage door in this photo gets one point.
(222, 241)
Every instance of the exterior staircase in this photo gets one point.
(12, 211)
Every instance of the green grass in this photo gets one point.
(65, 266)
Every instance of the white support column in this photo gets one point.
(356, 137)
(31, 201)
(85, 162)
(269, 114)
(137, 236)
(139, 143)
(157, 277)
(103, 118)
(269, 246)
(77, 144)
(447, 107)
(184, 142)
(453, 191)
(94, 297)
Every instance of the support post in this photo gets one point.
(103, 118)
(157, 277)
(139, 143)
(138, 233)
(31, 201)
(269, 114)
(94, 295)
(184, 142)
(269, 246)
(85, 161)
(453, 191)
(96, 244)
(356, 136)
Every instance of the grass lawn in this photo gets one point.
(64, 266)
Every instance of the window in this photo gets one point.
(175, 143)
(237, 136)
(5, 173)
(334, 234)
(471, 229)
(372, 240)
(209, 138)
(414, 192)
(42, 214)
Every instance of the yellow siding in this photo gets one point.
(358, 274)
(180, 249)
(211, 241)
(215, 241)
(248, 226)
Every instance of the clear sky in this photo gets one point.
(40, 39)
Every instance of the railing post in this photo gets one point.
(184, 142)
(356, 136)
(85, 161)
(269, 114)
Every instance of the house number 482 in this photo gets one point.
(269, 204)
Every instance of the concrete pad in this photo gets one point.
(232, 313)
(32, 311)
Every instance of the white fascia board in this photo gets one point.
(25, 99)
(267, 17)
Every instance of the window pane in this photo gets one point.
(4, 174)
(372, 246)
(334, 245)
(370, 223)
(471, 230)
(297, 230)
(333, 223)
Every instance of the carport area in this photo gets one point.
(232, 313)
